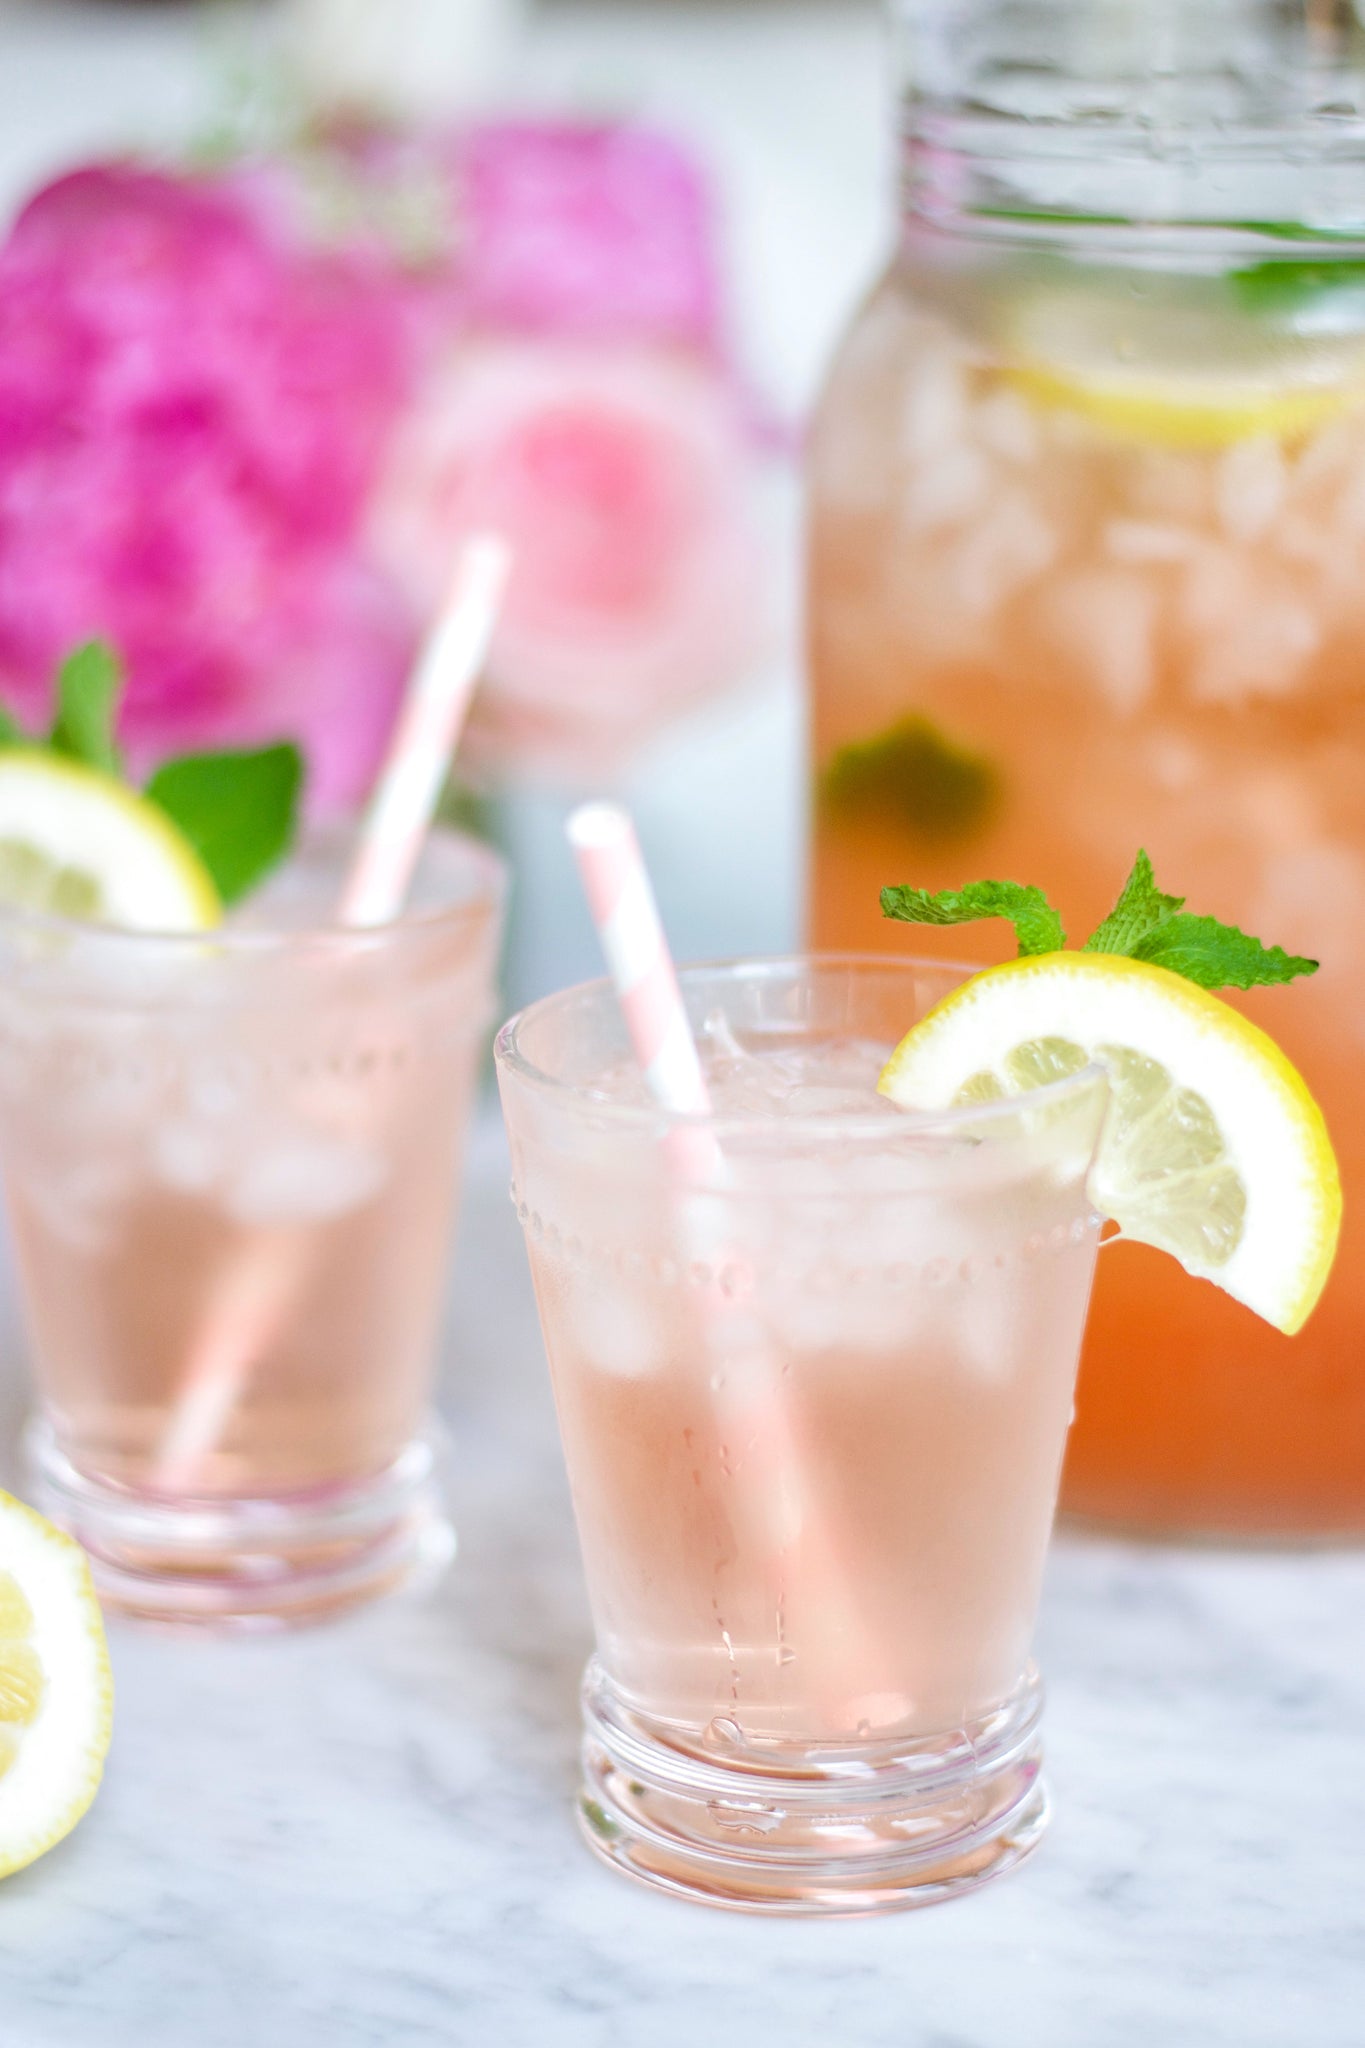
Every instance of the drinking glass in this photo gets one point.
(813, 1359)
(231, 1162)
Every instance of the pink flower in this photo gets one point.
(622, 480)
(193, 408)
(585, 231)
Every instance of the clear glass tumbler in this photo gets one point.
(814, 1362)
(231, 1165)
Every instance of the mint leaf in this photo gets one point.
(1037, 925)
(1139, 910)
(1286, 286)
(1217, 955)
(238, 810)
(1147, 925)
(89, 685)
(914, 778)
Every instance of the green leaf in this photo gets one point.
(1217, 955)
(912, 777)
(1139, 910)
(12, 734)
(1036, 923)
(1284, 287)
(89, 685)
(238, 810)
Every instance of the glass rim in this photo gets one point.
(487, 873)
(654, 1117)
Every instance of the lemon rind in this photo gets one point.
(67, 1745)
(122, 835)
(1282, 1261)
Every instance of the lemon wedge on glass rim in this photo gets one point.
(56, 1691)
(75, 842)
(1213, 1148)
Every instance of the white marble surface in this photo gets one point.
(361, 1837)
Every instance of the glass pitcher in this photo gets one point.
(1087, 572)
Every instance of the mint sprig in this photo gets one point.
(89, 686)
(1141, 908)
(238, 809)
(1036, 924)
(914, 779)
(1145, 924)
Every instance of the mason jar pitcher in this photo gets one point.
(1087, 573)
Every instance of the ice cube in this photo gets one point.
(1003, 423)
(1165, 485)
(1250, 487)
(1331, 557)
(192, 1156)
(1149, 540)
(1261, 651)
(617, 1330)
(934, 404)
(302, 1179)
(1103, 624)
(77, 1203)
(945, 491)
(1011, 546)
(842, 1318)
(1332, 452)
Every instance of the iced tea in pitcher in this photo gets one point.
(1087, 566)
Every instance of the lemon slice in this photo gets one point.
(1067, 350)
(1213, 1148)
(76, 843)
(56, 1692)
(1186, 412)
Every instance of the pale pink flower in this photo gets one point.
(623, 482)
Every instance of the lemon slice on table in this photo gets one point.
(77, 843)
(1213, 1148)
(56, 1692)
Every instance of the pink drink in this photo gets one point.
(813, 1415)
(231, 1169)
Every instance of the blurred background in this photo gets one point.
(714, 176)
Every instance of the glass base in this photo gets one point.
(250, 1564)
(784, 1829)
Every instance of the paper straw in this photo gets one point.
(750, 1406)
(428, 733)
(261, 1288)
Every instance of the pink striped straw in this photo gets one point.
(257, 1294)
(626, 914)
(621, 899)
(427, 735)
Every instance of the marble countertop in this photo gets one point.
(361, 1837)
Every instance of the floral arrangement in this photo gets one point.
(242, 434)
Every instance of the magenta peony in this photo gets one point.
(622, 480)
(602, 233)
(193, 408)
